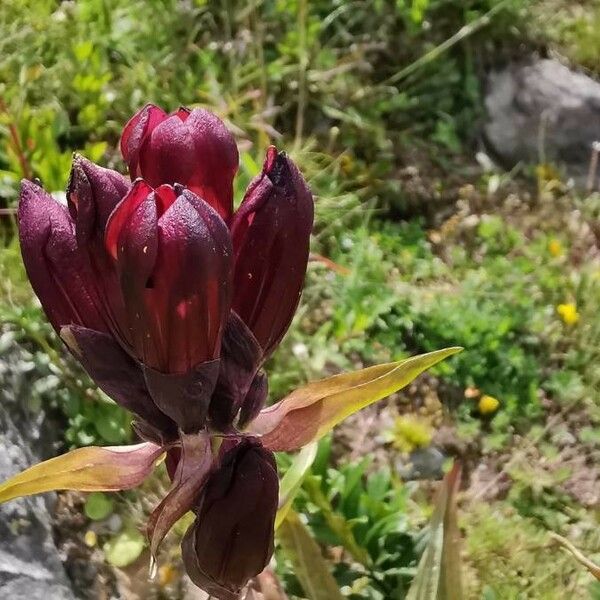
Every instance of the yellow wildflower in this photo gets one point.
(555, 248)
(411, 432)
(568, 313)
(488, 404)
(90, 538)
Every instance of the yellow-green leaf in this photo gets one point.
(438, 576)
(292, 480)
(125, 548)
(309, 566)
(310, 412)
(91, 469)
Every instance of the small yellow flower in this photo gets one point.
(90, 538)
(166, 575)
(411, 432)
(568, 313)
(555, 248)
(488, 404)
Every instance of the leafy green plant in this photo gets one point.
(368, 516)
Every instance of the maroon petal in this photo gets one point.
(231, 540)
(191, 282)
(271, 234)
(53, 263)
(122, 213)
(137, 252)
(241, 357)
(134, 135)
(192, 148)
(117, 375)
(217, 160)
(92, 194)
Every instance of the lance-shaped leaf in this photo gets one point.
(438, 575)
(269, 586)
(310, 412)
(91, 469)
(292, 480)
(190, 476)
(311, 569)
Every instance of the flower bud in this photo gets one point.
(271, 234)
(193, 148)
(231, 539)
(54, 264)
(72, 294)
(172, 253)
(92, 194)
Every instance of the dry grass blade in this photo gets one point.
(438, 576)
(308, 563)
(592, 567)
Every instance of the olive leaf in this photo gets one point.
(292, 480)
(311, 569)
(90, 469)
(438, 576)
(311, 411)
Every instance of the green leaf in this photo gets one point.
(310, 412)
(438, 575)
(311, 569)
(125, 548)
(95, 151)
(338, 523)
(110, 423)
(249, 164)
(91, 469)
(98, 506)
(292, 480)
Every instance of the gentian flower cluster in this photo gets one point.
(172, 302)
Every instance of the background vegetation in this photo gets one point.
(380, 104)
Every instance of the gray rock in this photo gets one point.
(543, 112)
(422, 463)
(30, 567)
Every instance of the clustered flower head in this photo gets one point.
(172, 302)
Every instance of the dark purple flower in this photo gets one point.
(65, 284)
(55, 267)
(92, 194)
(271, 232)
(193, 148)
(172, 304)
(231, 539)
(172, 254)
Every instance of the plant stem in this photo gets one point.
(460, 35)
(16, 143)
